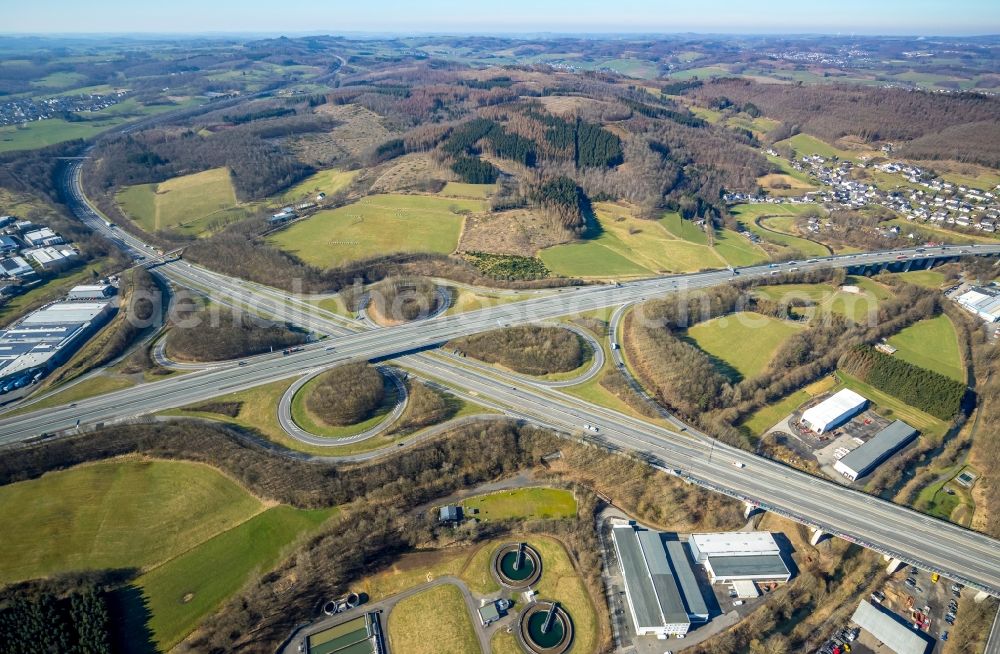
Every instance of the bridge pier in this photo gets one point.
(894, 564)
(818, 535)
(750, 509)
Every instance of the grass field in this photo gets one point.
(958, 505)
(504, 643)
(685, 230)
(806, 145)
(727, 340)
(630, 246)
(473, 191)
(327, 181)
(435, 621)
(858, 307)
(527, 503)
(925, 278)
(187, 203)
(931, 344)
(115, 515)
(776, 225)
(737, 250)
(703, 72)
(186, 589)
(782, 184)
(376, 226)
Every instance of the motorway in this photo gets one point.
(953, 551)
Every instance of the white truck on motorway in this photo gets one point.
(739, 464)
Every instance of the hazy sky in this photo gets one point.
(332, 16)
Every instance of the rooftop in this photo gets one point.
(661, 585)
(834, 407)
(889, 629)
(884, 443)
(736, 543)
(763, 565)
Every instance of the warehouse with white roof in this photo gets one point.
(982, 301)
(833, 411)
(740, 556)
(48, 337)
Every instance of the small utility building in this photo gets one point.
(862, 460)
(889, 629)
(833, 411)
(660, 585)
(740, 556)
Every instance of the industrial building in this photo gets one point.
(740, 556)
(862, 460)
(833, 411)
(94, 292)
(54, 257)
(662, 591)
(15, 267)
(890, 630)
(48, 337)
(982, 301)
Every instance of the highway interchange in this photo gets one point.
(932, 544)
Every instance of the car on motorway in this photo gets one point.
(739, 464)
(242, 363)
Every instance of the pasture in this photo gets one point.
(327, 181)
(181, 592)
(375, 226)
(435, 621)
(931, 344)
(630, 246)
(188, 203)
(528, 503)
(471, 191)
(728, 339)
(115, 514)
(806, 145)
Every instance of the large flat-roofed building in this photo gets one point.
(91, 292)
(660, 585)
(982, 301)
(890, 630)
(47, 337)
(740, 556)
(862, 460)
(833, 411)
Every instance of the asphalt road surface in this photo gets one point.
(935, 545)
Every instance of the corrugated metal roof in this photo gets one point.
(865, 458)
(890, 629)
(690, 590)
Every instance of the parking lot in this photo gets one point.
(829, 447)
(914, 597)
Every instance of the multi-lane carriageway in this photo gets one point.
(933, 544)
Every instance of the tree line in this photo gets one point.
(924, 389)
